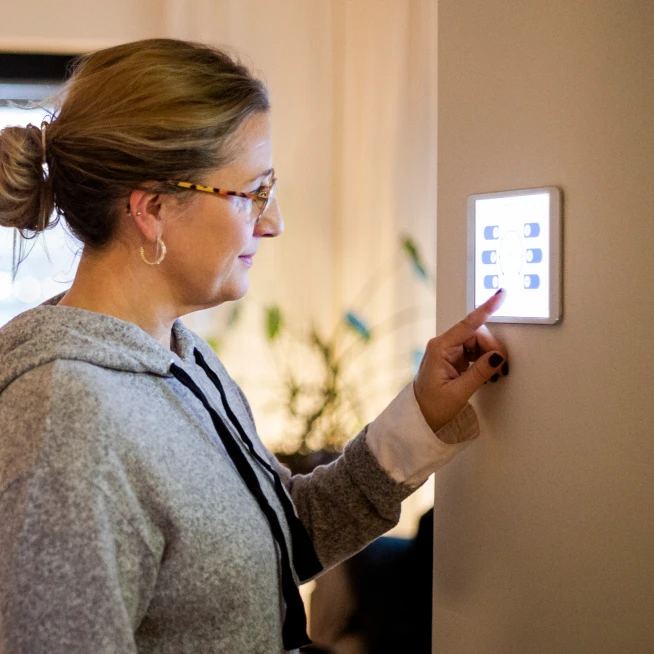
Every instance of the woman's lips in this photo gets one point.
(246, 259)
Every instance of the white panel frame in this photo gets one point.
(556, 253)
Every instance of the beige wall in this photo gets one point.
(76, 25)
(545, 526)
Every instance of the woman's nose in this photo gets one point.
(271, 222)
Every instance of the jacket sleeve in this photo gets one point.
(75, 575)
(350, 502)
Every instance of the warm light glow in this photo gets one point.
(28, 290)
(5, 286)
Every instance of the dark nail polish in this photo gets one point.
(498, 292)
(495, 360)
(495, 377)
(505, 369)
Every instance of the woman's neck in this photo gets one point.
(119, 285)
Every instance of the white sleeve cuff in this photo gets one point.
(406, 447)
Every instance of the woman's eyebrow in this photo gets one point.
(265, 173)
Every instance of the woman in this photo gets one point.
(140, 511)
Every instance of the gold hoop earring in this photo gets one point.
(160, 244)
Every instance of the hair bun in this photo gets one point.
(26, 198)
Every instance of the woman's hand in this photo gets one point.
(457, 363)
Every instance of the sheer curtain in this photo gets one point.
(353, 88)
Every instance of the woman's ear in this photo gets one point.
(145, 210)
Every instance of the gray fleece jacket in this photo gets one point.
(124, 525)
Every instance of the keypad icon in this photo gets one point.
(534, 255)
(491, 281)
(532, 230)
(489, 256)
(491, 233)
(532, 281)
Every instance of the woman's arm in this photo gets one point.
(355, 499)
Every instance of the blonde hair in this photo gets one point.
(130, 116)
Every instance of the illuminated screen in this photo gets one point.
(512, 249)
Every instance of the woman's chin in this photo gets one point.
(234, 291)
(230, 290)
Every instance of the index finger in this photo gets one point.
(466, 328)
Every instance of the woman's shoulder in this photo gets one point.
(65, 384)
(65, 414)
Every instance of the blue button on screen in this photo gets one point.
(534, 255)
(532, 230)
(492, 233)
(491, 281)
(489, 256)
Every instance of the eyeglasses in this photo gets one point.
(252, 204)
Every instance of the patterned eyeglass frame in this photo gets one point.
(266, 193)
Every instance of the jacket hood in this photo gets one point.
(50, 332)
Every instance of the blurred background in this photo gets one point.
(353, 88)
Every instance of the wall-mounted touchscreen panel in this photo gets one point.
(514, 242)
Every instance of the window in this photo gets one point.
(26, 79)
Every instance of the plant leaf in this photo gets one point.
(411, 250)
(234, 316)
(325, 348)
(358, 325)
(273, 322)
(416, 360)
(215, 344)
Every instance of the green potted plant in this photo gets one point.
(316, 386)
(323, 412)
